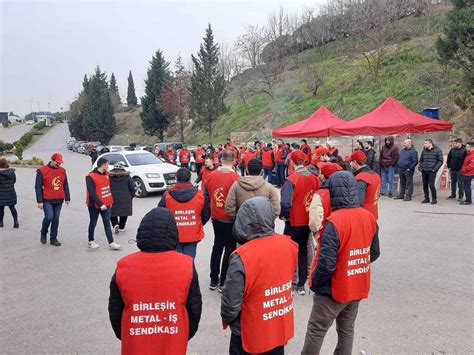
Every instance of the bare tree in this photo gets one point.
(313, 75)
(251, 43)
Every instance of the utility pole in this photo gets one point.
(39, 110)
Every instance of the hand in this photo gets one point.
(68, 203)
(40, 206)
(103, 207)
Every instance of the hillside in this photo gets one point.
(409, 71)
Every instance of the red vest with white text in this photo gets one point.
(305, 185)
(53, 182)
(356, 229)
(154, 288)
(218, 185)
(188, 217)
(267, 310)
(102, 189)
(373, 192)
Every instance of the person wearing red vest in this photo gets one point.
(208, 169)
(320, 155)
(170, 155)
(341, 278)
(296, 196)
(256, 301)
(306, 149)
(251, 154)
(242, 152)
(467, 174)
(52, 189)
(191, 211)
(199, 156)
(268, 160)
(281, 154)
(184, 157)
(155, 302)
(99, 201)
(368, 182)
(216, 190)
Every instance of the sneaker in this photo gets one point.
(122, 230)
(459, 199)
(434, 202)
(465, 203)
(390, 195)
(407, 199)
(301, 291)
(116, 229)
(213, 286)
(219, 288)
(114, 246)
(16, 225)
(43, 238)
(451, 197)
(426, 200)
(398, 198)
(93, 245)
(55, 242)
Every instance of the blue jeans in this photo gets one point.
(388, 175)
(51, 217)
(187, 249)
(281, 167)
(267, 174)
(94, 216)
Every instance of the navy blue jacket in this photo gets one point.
(408, 159)
(344, 194)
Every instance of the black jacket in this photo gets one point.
(157, 233)
(431, 159)
(456, 158)
(370, 154)
(123, 191)
(90, 185)
(184, 193)
(408, 159)
(343, 192)
(362, 185)
(7, 187)
(39, 189)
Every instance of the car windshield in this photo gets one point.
(144, 158)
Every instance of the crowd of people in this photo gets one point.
(329, 206)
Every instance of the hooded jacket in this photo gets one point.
(344, 195)
(182, 192)
(7, 187)
(389, 154)
(247, 187)
(123, 192)
(255, 219)
(157, 234)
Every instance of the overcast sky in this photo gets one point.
(47, 47)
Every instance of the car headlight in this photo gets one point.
(153, 176)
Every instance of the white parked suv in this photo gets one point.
(149, 173)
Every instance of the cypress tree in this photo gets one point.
(207, 85)
(131, 97)
(154, 120)
(114, 92)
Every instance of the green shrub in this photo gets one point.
(26, 139)
(39, 125)
(36, 132)
(19, 152)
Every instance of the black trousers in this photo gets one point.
(467, 187)
(12, 210)
(198, 168)
(121, 221)
(428, 178)
(235, 347)
(224, 242)
(456, 179)
(300, 235)
(406, 183)
(94, 214)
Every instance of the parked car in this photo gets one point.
(82, 148)
(176, 145)
(30, 122)
(149, 173)
(70, 142)
(75, 146)
(115, 148)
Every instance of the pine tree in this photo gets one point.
(207, 85)
(131, 97)
(98, 121)
(114, 92)
(154, 120)
(75, 111)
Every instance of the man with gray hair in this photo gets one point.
(407, 162)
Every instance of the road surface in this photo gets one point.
(54, 300)
(13, 133)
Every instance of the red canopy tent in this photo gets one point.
(317, 125)
(390, 118)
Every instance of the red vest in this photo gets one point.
(267, 311)
(242, 155)
(248, 157)
(154, 289)
(268, 159)
(356, 228)
(102, 189)
(218, 185)
(373, 192)
(198, 156)
(170, 155)
(279, 154)
(184, 156)
(188, 217)
(53, 182)
(215, 156)
(205, 175)
(305, 185)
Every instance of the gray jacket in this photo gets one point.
(255, 219)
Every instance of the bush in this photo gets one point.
(5, 147)
(36, 132)
(39, 125)
(26, 139)
(19, 152)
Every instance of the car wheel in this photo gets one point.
(140, 190)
